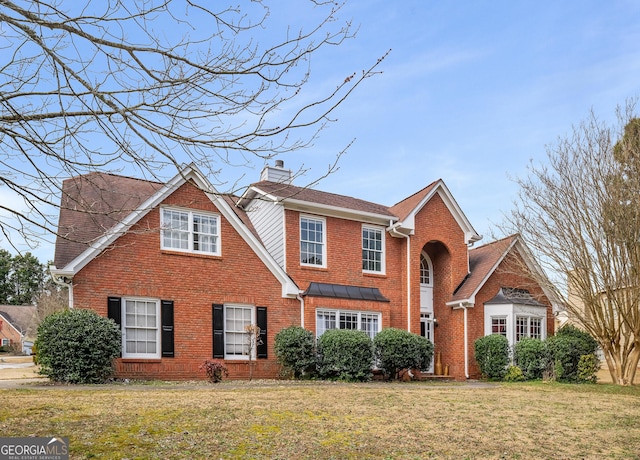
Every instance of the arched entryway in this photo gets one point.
(426, 299)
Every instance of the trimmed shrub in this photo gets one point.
(77, 346)
(492, 355)
(295, 349)
(565, 349)
(588, 368)
(397, 349)
(530, 356)
(345, 354)
(513, 374)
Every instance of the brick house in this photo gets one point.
(17, 327)
(184, 270)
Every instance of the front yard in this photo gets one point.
(331, 420)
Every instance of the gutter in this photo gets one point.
(63, 279)
(466, 340)
(299, 297)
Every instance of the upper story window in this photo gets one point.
(372, 250)
(313, 249)
(190, 231)
(425, 270)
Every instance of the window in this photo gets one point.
(312, 242)
(528, 327)
(372, 250)
(230, 336)
(141, 332)
(236, 339)
(425, 270)
(6, 342)
(499, 326)
(190, 231)
(347, 319)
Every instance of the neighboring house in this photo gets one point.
(17, 324)
(184, 270)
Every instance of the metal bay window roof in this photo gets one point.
(344, 292)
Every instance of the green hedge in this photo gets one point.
(492, 356)
(295, 349)
(530, 355)
(397, 349)
(565, 349)
(345, 355)
(77, 346)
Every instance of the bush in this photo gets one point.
(295, 349)
(77, 346)
(530, 356)
(492, 355)
(588, 368)
(513, 374)
(565, 349)
(397, 349)
(215, 370)
(345, 354)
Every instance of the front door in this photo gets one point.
(426, 299)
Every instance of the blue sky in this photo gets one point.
(470, 93)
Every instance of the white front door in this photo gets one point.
(426, 299)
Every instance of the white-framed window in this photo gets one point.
(499, 325)
(368, 322)
(372, 250)
(528, 326)
(5, 342)
(190, 231)
(313, 249)
(141, 328)
(236, 337)
(425, 270)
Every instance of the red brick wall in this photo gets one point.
(135, 266)
(344, 266)
(7, 331)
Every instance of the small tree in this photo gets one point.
(253, 342)
(295, 349)
(397, 349)
(492, 355)
(77, 346)
(345, 354)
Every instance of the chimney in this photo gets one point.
(276, 173)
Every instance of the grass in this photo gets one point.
(326, 420)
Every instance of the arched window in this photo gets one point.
(425, 269)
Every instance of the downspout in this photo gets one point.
(396, 233)
(299, 297)
(466, 339)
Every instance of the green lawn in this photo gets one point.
(331, 420)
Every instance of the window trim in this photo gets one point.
(324, 240)
(5, 342)
(506, 325)
(529, 319)
(123, 328)
(359, 314)
(382, 251)
(190, 231)
(227, 355)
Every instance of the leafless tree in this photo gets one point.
(580, 215)
(143, 87)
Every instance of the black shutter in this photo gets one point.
(261, 322)
(166, 315)
(114, 309)
(218, 330)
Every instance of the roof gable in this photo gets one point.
(483, 262)
(20, 317)
(408, 208)
(224, 205)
